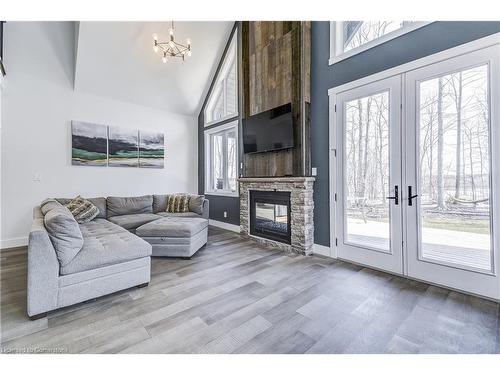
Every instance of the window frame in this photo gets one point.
(230, 125)
(220, 87)
(336, 40)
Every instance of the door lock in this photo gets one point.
(396, 195)
(410, 196)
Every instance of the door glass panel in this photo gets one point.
(366, 171)
(454, 168)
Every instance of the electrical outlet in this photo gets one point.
(314, 171)
(37, 177)
(225, 213)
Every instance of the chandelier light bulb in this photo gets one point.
(171, 31)
(155, 49)
(188, 41)
(155, 37)
(164, 59)
(189, 53)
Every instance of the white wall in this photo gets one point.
(38, 104)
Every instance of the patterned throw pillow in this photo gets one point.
(82, 209)
(178, 203)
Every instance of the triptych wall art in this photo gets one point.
(101, 145)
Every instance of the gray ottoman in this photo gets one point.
(175, 236)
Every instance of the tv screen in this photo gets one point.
(270, 130)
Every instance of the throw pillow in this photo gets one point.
(196, 204)
(178, 203)
(160, 203)
(49, 204)
(82, 209)
(64, 233)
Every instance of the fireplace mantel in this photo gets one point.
(276, 179)
(301, 209)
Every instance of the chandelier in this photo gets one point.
(171, 49)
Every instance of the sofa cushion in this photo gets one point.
(82, 209)
(118, 206)
(178, 214)
(172, 227)
(196, 203)
(133, 221)
(99, 202)
(99, 227)
(160, 203)
(64, 233)
(105, 250)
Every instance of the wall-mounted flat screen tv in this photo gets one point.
(268, 131)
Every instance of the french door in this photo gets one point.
(369, 175)
(452, 164)
(417, 172)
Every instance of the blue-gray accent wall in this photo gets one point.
(425, 41)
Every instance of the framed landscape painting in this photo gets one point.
(151, 149)
(89, 144)
(123, 147)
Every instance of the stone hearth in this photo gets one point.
(301, 213)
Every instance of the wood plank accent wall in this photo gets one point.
(270, 65)
(276, 71)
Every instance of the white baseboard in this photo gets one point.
(13, 242)
(221, 224)
(321, 250)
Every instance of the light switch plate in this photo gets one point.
(314, 171)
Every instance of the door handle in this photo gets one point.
(410, 196)
(396, 195)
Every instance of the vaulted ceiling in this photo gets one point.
(116, 60)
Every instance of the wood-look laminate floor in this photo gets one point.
(237, 297)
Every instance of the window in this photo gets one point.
(221, 153)
(348, 38)
(221, 139)
(223, 101)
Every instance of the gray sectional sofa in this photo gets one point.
(115, 249)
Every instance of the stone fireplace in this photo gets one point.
(278, 211)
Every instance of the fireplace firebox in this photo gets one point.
(270, 215)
